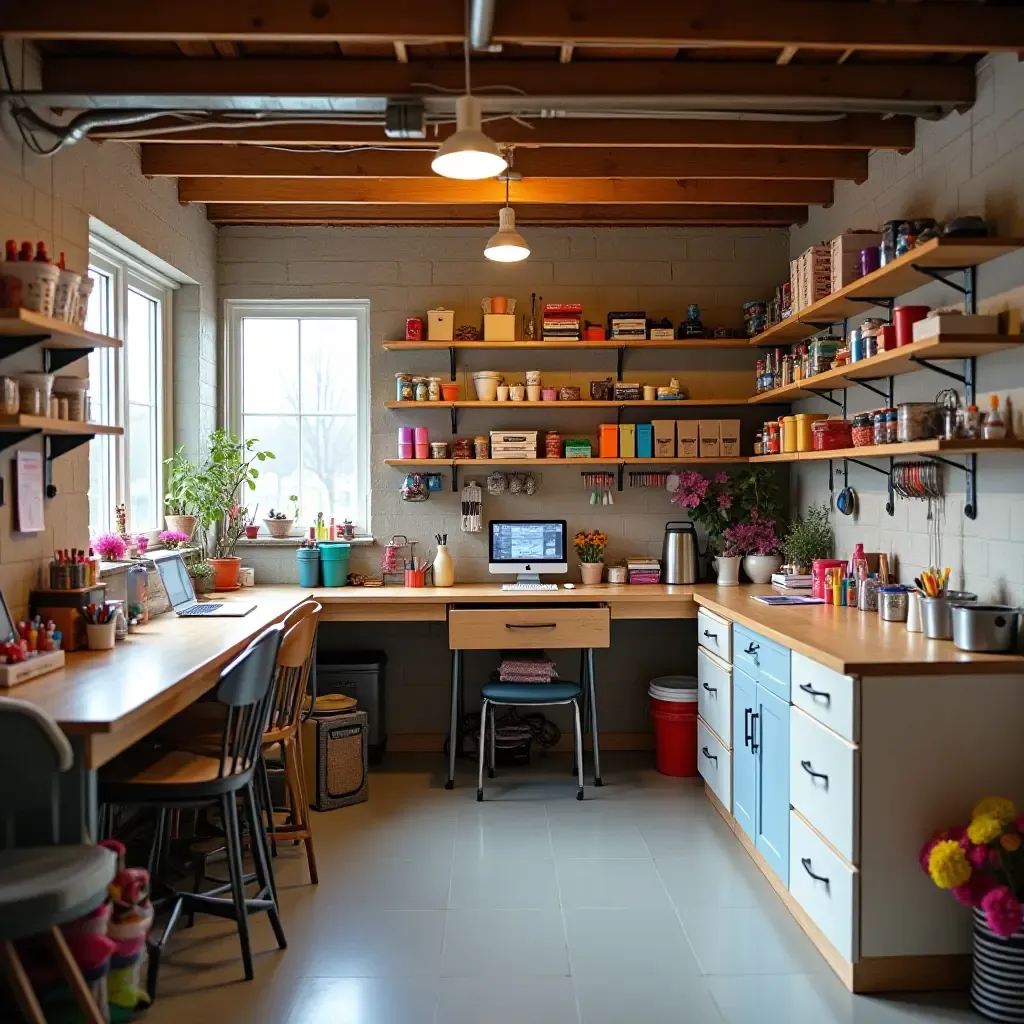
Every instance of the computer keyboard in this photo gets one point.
(529, 586)
(200, 609)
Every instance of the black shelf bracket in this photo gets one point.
(56, 445)
(890, 505)
(620, 353)
(826, 394)
(621, 473)
(57, 358)
(930, 364)
(11, 438)
(873, 300)
(867, 382)
(942, 274)
(11, 346)
(455, 478)
(451, 363)
(970, 471)
(823, 325)
(455, 418)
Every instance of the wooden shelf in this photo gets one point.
(736, 460)
(44, 425)
(419, 463)
(958, 446)
(888, 282)
(494, 346)
(582, 404)
(595, 461)
(537, 462)
(22, 323)
(892, 363)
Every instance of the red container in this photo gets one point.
(413, 329)
(830, 434)
(886, 337)
(675, 737)
(818, 567)
(422, 451)
(905, 317)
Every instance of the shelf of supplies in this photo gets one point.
(896, 278)
(21, 328)
(892, 363)
(538, 462)
(582, 404)
(45, 425)
(718, 461)
(957, 446)
(638, 343)
(419, 463)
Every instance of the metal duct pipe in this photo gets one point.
(481, 24)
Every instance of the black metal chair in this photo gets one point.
(155, 775)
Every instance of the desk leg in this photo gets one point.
(453, 725)
(593, 717)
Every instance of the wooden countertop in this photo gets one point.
(847, 640)
(469, 593)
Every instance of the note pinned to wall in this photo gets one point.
(29, 486)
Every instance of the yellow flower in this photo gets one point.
(997, 807)
(948, 865)
(1010, 842)
(984, 829)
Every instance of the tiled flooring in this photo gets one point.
(636, 906)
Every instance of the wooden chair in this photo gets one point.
(294, 663)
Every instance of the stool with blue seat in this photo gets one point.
(532, 695)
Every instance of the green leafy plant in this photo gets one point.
(183, 485)
(810, 537)
(199, 568)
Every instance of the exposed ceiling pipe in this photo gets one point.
(481, 25)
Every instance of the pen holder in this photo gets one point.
(415, 577)
(100, 636)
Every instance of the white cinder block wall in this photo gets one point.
(967, 163)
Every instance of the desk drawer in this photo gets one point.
(827, 798)
(715, 634)
(714, 694)
(825, 695)
(495, 629)
(714, 762)
(763, 660)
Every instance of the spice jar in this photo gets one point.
(891, 426)
(419, 389)
(773, 439)
(757, 444)
(463, 448)
(439, 449)
(552, 445)
(403, 387)
(481, 447)
(878, 421)
(433, 389)
(862, 432)
(10, 398)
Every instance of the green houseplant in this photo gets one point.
(809, 538)
(182, 497)
(200, 572)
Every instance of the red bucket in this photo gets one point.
(675, 736)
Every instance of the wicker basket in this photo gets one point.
(334, 759)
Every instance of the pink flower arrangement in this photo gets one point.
(111, 547)
(754, 537)
(142, 543)
(1002, 910)
(174, 538)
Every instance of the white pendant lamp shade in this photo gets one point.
(468, 154)
(507, 245)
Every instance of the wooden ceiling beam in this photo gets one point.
(810, 24)
(530, 190)
(852, 132)
(252, 162)
(270, 84)
(526, 214)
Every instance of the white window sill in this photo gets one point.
(294, 542)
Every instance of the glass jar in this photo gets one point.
(10, 399)
(481, 447)
(420, 391)
(862, 432)
(433, 389)
(879, 418)
(403, 387)
(892, 423)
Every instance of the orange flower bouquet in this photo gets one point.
(590, 545)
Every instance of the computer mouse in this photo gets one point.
(568, 586)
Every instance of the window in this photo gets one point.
(130, 387)
(298, 381)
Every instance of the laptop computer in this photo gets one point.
(178, 585)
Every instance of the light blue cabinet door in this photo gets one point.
(771, 739)
(744, 761)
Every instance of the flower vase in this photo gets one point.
(997, 973)
(444, 567)
(591, 572)
(728, 570)
(759, 568)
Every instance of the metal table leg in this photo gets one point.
(453, 725)
(593, 717)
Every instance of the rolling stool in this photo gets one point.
(532, 695)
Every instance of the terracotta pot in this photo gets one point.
(252, 532)
(591, 572)
(225, 572)
(759, 568)
(181, 524)
(278, 527)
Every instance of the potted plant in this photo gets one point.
(710, 502)
(251, 529)
(809, 538)
(111, 547)
(756, 542)
(982, 865)
(200, 572)
(182, 497)
(172, 539)
(278, 524)
(308, 557)
(590, 551)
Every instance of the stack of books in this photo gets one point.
(632, 324)
(562, 321)
(788, 583)
(644, 570)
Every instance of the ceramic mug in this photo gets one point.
(549, 394)
(650, 393)
(517, 392)
(502, 392)
(533, 392)
(532, 377)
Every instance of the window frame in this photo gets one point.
(127, 272)
(236, 310)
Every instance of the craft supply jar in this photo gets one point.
(403, 387)
(10, 398)
(463, 448)
(878, 423)
(439, 449)
(862, 432)
(481, 447)
(552, 445)
(73, 391)
(419, 389)
(433, 389)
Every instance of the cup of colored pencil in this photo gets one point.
(100, 626)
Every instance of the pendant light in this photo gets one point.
(506, 245)
(468, 154)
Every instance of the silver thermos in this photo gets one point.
(679, 554)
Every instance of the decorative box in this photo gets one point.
(499, 327)
(578, 448)
(440, 324)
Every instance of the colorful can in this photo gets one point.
(403, 387)
(413, 329)
(420, 391)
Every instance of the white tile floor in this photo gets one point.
(636, 906)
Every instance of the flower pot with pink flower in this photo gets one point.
(756, 542)
(982, 865)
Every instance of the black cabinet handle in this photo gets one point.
(710, 689)
(807, 688)
(752, 648)
(806, 861)
(806, 765)
(531, 625)
(709, 756)
(713, 636)
(746, 726)
(754, 747)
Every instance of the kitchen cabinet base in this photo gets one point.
(873, 974)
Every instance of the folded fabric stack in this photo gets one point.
(562, 321)
(526, 667)
(644, 570)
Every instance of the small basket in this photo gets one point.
(569, 394)
(602, 390)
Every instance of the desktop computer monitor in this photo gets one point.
(528, 547)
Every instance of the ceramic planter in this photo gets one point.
(759, 568)
(201, 584)
(225, 572)
(252, 532)
(728, 570)
(279, 527)
(181, 524)
(997, 973)
(590, 572)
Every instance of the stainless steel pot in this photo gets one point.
(892, 604)
(937, 615)
(679, 554)
(985, 627)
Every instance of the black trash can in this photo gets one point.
(358, 674)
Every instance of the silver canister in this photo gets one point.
(918, 421)
(867, 595)
(937, 613)
(892, 604)
(984, 627)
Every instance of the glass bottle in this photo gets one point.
(993, 429)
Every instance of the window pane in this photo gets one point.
(270, 365)
(141, 463)
(99, 317)
(278, 477)
(329, 471)
(329, 377)
(141, 344)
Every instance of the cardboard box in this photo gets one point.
(644, 441)
(710, 439)
(664, 438)
(686, 439)
(729, 437)
(608, 434)
(627, 440)
(440, 324)
(499, 327)
(943, 325)
(846, 255)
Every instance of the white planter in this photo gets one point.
(279, 527)
(728, 570)
(759, 568)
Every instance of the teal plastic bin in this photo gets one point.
(334, 562)
(309, 566)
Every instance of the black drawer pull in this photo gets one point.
(806, 861)
(746, 726)
(713, 636)
(752, 648)
(709, 755)
(710, 689)
(753, 732)
(808, 689)
(531, 625)
(806, 765)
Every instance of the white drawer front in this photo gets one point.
(714, 695)
(714, 762)
(830, 899)
(823, 782)
(825, 695)
(715, 634)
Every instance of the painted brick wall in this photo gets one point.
(966, 163)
